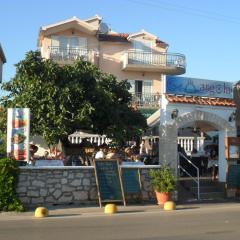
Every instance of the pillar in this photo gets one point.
(168, 145)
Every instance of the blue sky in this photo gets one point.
(206, 31)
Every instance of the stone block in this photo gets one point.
(38, 183)
(93, 194)
(51, 189)
(67, 188)
(80, 195)
(53, 180)
(21, 190)
(86, 182)
(24, 200)
(75, 182)
(57, 194)
(79, 175)
(50, 199)
(65, 199)
(58, 185)
(22, 178)
(70, 175)
(33, 193)
(65, 173)
(39, 200)
(64, 181)
(43, 192)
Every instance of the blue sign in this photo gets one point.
(198, 87)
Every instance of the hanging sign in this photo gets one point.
(18, 125)
(198, 87)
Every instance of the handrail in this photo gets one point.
(156, 58)
(194, 179)
(69, 53)
(146, 99)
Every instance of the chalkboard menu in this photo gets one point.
(131, 181)
(108, 181)
(233, 178)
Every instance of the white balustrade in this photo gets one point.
(77, 138)
(188, 143)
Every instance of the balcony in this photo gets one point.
(166, 63)
(146, 100)
(69, 55)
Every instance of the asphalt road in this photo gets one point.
(203, 224)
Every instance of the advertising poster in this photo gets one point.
(198, 87)
(18, 127)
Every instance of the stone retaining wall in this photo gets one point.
(65, 185)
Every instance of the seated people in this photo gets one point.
(100, 154)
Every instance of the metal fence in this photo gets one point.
(69, 54)
(164, 59)
(146, 99)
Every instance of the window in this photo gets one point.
(69, 47)
(142, 51)
(141, 91)
(69, 42)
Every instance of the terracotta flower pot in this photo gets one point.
(162, 197)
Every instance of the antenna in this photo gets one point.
(103, 28)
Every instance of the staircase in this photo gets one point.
(209, 190)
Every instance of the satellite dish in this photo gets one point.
(103, 28)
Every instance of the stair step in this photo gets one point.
(208, 189)
(212, 195)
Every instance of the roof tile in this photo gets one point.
(225, 102)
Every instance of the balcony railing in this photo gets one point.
(168, 62)
(70, 54)
(146, 99)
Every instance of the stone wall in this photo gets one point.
(66, 185)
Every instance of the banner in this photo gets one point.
(18, 127)
(198, 87)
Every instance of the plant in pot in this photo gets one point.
(163, 181)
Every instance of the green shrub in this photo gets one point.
(8, 181)
(163, 179)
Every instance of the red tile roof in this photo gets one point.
(122, 37)
(224, 102)
(114, 37)
(158, 41)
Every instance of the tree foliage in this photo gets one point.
(63, 99)
(8, 181)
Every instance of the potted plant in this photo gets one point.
(163, 181)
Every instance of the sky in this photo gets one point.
(207, 32)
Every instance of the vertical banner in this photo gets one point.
(18, 128)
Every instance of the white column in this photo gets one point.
(222, 163)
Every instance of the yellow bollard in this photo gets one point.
(169, 206)
(110, 208)
(41, 212)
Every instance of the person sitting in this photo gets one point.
(100, 154)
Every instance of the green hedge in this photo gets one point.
(8, 181)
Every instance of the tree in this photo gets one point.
(67, 98)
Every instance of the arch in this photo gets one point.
(218, 122)
(169, 132)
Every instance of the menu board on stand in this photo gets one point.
(232, 154)
(109, 182)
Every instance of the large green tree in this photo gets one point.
(63, 99)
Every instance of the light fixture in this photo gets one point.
(174, 114)
(232, 117)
